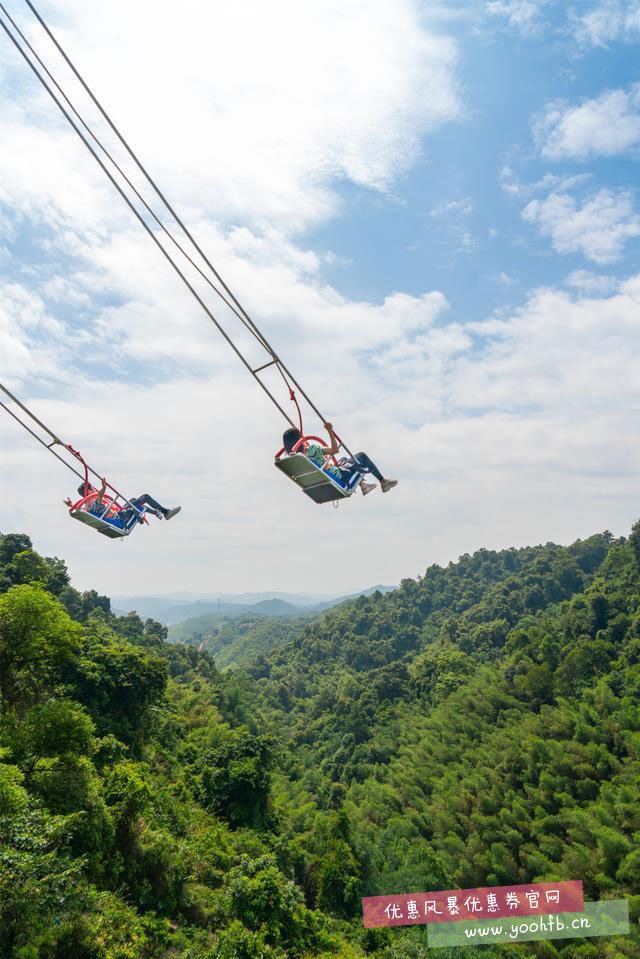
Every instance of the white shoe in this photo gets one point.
(366, 487)
(386, 485)
(172, 512)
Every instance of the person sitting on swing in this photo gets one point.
(348, 466)
(124, 515)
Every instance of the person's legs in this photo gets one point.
(149, 501)
(358, 467)
(367, 466)
(124, 516)
(153, 506)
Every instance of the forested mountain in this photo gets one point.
(479, 725)
(238, 641)
(238, 638)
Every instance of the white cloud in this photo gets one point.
(468, 242)
(509, 181)
(241, 110)
(458, 208)
(495, 426)
(525, 361)
(34, 342)
(522, 15)
(453, 214)
(599, 228)
(606, 22)
(550, 181)
(258, 139)
(592, 283)
(603, 126)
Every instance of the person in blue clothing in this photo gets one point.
(124, 515)
(348, 466)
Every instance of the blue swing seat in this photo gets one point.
(314, 480)
(109, 526)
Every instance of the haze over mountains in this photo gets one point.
(178, 607)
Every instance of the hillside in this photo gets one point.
(238, 641)
(193, 628)
(476, 726)
(479, 726)
(238, 638)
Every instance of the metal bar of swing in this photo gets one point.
(264, 366)
(258, 334)
(142, 221)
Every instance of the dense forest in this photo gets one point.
(477, 726)
(238, 640)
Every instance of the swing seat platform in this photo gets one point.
(313, 480)
(105, 526)
(109, 523)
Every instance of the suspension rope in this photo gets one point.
(40, 440)
(141, 219)
(292, 396)
(56, 442)
(85, 465)
(32, 415)
(165, 201)
(252, 329)
(235, 306)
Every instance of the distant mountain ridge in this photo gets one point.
(171, 612)
(236, 638)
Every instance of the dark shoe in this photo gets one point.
(172, 512)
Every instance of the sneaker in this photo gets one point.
(386, 485)
(172, 512)
(366, 487)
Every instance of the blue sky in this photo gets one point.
(432, 209)
(506, 78)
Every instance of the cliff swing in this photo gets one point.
(111, 514)
(312, 465)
